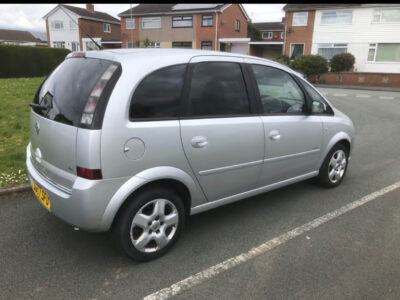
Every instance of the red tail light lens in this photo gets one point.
(78, 54)
(89, 173)
(90, 107)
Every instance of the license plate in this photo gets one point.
(41, 194)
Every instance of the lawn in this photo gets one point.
(15, 96)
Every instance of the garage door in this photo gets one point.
(242, 48)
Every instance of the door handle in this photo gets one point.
(274, 135)
(199, 142)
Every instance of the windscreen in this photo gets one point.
(64, 93)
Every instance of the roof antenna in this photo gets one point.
(99, 46)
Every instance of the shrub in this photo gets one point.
(342, 62)
(25, 61)
(253, 33)
(310, 65)
(284, 59)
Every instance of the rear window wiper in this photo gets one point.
(35, 105)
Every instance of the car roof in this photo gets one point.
(172, 55)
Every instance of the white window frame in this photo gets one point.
(154, 45)
(202, 43)
(299, 13)
(56, 44)
(132, 43)
(330, 46)
(268, 35)
(207, 19)
(151, 20)
(105, 26)
(182, 18)
(282, 34)
(237, 25)
(131, 21)
(374, 46)
(336, 11)
(291, 51)
(53, 25)
(378, 12)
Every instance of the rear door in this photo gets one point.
(222, 136)
(293, 137)
(54, 126)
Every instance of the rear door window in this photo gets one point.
(217, 89)
(65, 92)
(159, 94)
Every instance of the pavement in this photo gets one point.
(352, 255)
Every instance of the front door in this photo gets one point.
(222, 137)
(293, 137)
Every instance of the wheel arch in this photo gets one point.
(174, 178)
(340, 137)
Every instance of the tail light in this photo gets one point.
(89, 173)
(90, 107)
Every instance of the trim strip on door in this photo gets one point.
(232, 167)
(267, 160)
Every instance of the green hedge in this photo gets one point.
(25, 61)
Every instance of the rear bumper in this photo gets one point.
(84, 206)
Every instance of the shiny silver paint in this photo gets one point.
(218, 160)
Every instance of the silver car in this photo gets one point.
(136, 140)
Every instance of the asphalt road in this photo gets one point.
(355, 255)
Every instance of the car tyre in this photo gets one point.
(150, 224)
(334, 167)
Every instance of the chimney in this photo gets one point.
(90, 7)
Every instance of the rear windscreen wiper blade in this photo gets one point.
(35, 105)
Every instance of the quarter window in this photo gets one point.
(300, 19)
(130, 23)
(207, 20)
(319, 106)
(159, 94)
(182, 21)
(337, 17)
(218, 88)
(279, 93)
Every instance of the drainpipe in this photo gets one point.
(131, 28)
(284, 34)
(216, 30)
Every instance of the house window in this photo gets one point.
(57, 25)
(300, 19)
(337, 17)
(130, 45)
(282, 35)
(149, 23)
(154, 45)
(330, 50)
(185, 45)
(384, 52)
(91, 46)
(237, 25)
(58, 44)
(74, 46)
(296, 50)
(391, 15)
(182, 21)
(267, 35)
(206, 45)
(73, 25)
(207, 20)
(107, 27)
(130, 23)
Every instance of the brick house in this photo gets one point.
(63, 30)
(271, 35)
(220, 27)
(371, 32)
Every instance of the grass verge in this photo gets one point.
(15, 96)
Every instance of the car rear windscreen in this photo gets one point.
(64, 93)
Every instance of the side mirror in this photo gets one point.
(318, 107)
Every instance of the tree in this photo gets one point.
(342, 62)
(253, 33)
